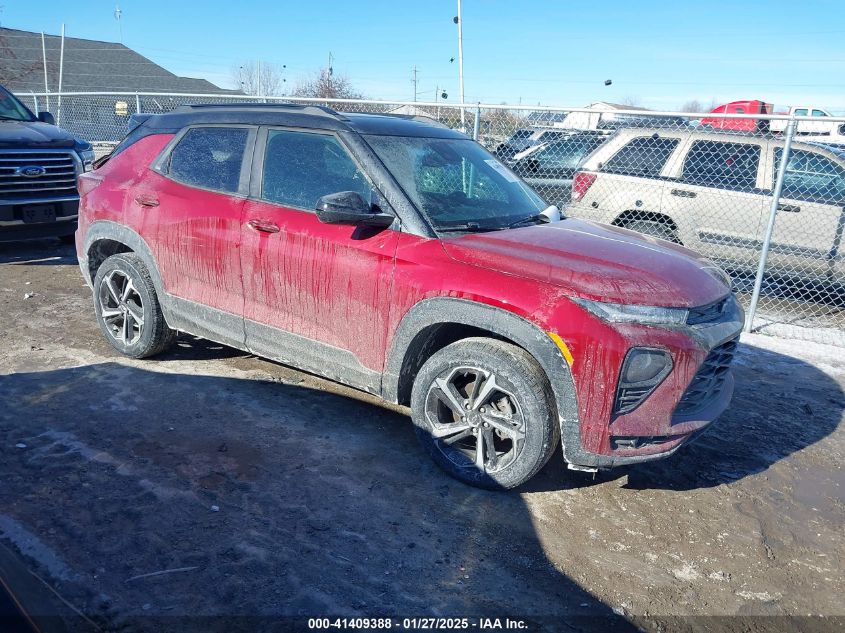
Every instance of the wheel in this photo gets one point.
(654, 229)
(484, 411)
(127, 308)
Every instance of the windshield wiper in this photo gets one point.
(467, 227)
(549, 214)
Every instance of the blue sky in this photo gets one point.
(659, 54)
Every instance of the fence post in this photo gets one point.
(35, 102)
(767, 238)
(477, 124)
(137, 104)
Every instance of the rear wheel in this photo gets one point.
(484, 411)
(654, 229)
(127, 307)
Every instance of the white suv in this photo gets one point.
(712, 192)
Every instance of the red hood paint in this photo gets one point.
(595, 261)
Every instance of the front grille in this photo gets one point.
(709, 379)
(705, 314)
(58, 179)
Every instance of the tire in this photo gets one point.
(654, 229)
(453, 404)
(127, 308)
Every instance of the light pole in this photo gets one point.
(459, 22)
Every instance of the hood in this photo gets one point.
(33, 135)
(597, 262)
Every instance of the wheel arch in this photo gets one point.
(639, 215)
(104, 239)
(434, 323)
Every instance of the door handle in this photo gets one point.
(789, 208)
(146, 201)
(681, 193)
(264, 226)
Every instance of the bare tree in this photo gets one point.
(259, 78)
(632, 101)
(693, 105)
(327, 85)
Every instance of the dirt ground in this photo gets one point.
(262, 492)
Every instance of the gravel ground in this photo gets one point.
(260, 491)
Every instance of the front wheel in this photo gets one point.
(127, 307)
(484, 411)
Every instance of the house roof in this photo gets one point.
(89, 66)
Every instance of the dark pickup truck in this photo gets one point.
(39, 164)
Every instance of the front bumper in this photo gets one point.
(663, 423)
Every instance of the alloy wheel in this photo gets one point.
(121, 307)
(475, 420)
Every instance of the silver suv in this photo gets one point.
(712, 192)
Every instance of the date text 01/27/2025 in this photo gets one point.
(418, 624)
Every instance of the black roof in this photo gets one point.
(89, 66)
(297, 115)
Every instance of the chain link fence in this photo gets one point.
(761, 195)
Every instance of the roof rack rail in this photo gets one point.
(306, 108)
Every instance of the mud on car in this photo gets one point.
(399, 257)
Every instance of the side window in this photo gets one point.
(209, 157)
(722, 165)
(644, 156)
(812, 177)
(567, 154)
(801, 112)
(301, 167)
(819, 113)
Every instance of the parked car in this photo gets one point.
(548, 167)
(712, 192)
(39, 163)
(404, 260)
(507, 151)
(821, 125)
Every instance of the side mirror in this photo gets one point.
(46, 117)
(348, 207)
(528, 166)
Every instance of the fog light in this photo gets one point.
(642, 371)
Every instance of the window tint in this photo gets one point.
(723, 165)
(811, 176)
(301, 167)
(801, 112)
(210, 157)
(819, 113)
(643, 156)
(567, 154)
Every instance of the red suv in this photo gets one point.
(401, 258)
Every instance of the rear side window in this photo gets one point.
(723, 165)
(209, 157)
(567, 154)
(812, 177)
(301, 167)
(644, 156)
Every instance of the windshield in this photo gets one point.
(11, 109)
(456, 183)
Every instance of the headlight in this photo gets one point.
(86, 154)
(645, 315)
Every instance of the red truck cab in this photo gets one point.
(752, 106)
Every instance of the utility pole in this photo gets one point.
(117, 15)
(414, 81)
(329, 73)
(258, 79)
(44, 61)
(460, 24)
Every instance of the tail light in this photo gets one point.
(87, 182)
(581, 183)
